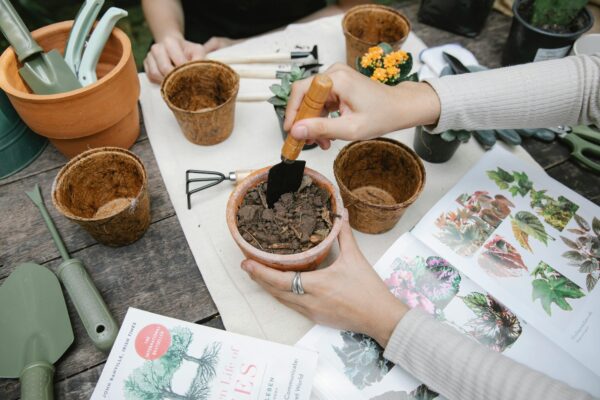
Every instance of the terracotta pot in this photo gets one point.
(307, 260)
(105, 190)
(202, 95)
(378, 179)
(105, 108)
(368, 25)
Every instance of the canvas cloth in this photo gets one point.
(256, 142)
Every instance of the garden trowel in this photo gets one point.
(82, 25)
(286, 176)
(44, 73)
(35, 329)
(95, 316)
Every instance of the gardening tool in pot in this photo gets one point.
(584, 142)
(276, 72)
(280, 57)
(212, 178)
(44, 73)
(101, 33)
(287, 176)
(455, 64)
(95, 316)
(35, 329)
(84, 20)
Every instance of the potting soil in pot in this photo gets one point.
(297, 222)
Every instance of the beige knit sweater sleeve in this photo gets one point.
(536, 95)
(459, 368)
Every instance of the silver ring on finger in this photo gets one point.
(297, 284)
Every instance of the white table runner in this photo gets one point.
(256, 142)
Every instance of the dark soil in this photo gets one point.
(297, 222)
(526, 11)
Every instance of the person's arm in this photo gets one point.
(452, 364)
(165, 18)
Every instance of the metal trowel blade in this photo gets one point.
(284, 177)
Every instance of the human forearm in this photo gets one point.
(457, 367)
(165, 18)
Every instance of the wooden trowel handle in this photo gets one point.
(311, 107)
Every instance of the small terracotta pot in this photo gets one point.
(105, 108)
(202, 95)
(304, 261)
(105, 190)
(368, 25)
(378, 179)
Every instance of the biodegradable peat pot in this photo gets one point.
(432, 148)
(378, 179)
(304, 261)
(368, 25)
(105, 191)
(528, 43)
(101, 114)
(202, 95)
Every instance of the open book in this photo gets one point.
(156, 357)
(509, 257)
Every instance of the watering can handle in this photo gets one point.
(37, 381)
(16, 32)
(97, 319)
(311, 107)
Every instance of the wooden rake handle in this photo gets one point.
(311, 107)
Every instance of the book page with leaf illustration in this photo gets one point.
(156, 357)
(529, 240)
(351, 365)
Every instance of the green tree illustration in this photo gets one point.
(152, 381)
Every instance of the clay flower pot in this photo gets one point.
(368, 25)
(105, 191)
(379, 179)
(304, 261)
(202, 95)
(104, 113)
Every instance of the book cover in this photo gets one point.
(156, 357)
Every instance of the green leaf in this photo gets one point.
(279, 91)
(590, 282)
(596, 226)
(582, 223)
(477, 302)
(588, 267)
(276, 101)
(463, 136)
(509, 136)
(570, 243)
(386, 47)
(414, 77)
(574, 255)
(555, 290)
(487, 139)
(514, 190)
(296, 73)
(286, 84)
(522, 237)
(531, 225)
(406, 67)
(448, 136)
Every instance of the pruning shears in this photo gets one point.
(584, 142)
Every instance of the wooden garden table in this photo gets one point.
(158, 273)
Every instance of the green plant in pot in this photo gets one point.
(545, 29)
(438, 148)
(281, 93)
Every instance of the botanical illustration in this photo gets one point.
(517, 183)
(363, 359)
(555, 212)
(494, 325)
(462, 231)
(428, 284)
(422, 392)
(152, 381)
(585, 250)
(525, 224)
(501, 258)
(550, 286)
(492, 210)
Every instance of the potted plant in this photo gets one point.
(438, 148)
(545, 29)
(381, 63)
(281, 92)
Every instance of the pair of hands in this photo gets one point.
(173, 51)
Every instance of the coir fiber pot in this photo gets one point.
(202, 95)
(368, 25)
(378, 179)
(528, 43)
(304, 261)
(105, 190)
(104, 113)
(431, 147)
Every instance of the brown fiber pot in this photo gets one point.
(202, 95)
(379, 179)
(307, 260)
(105, 190)
(101, 114)
(370, 24)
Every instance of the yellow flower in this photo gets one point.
(392, 72)
(379, 75)
(376, 51)
(395, 58)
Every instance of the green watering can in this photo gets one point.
(35, 330)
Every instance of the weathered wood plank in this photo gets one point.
(579, 179)
(548, 155)
(157, 274)
(23, 235)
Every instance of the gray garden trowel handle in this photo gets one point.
(37, 381)
(97, 319)
(82, 25)
(16, 32)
